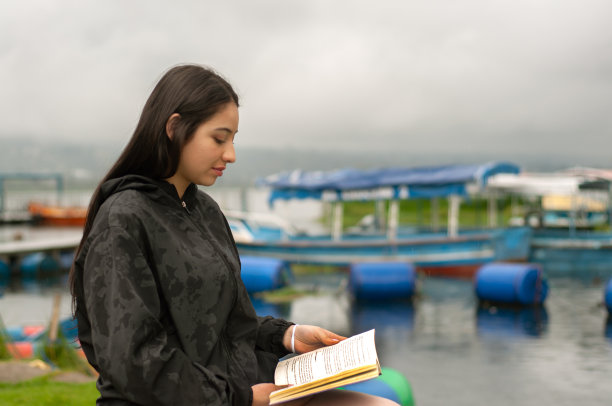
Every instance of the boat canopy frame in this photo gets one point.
(388, 184)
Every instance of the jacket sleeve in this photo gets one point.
(270, 335)
(133, 351)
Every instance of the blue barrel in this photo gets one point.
(5, 270)
(66, 259)
(511, 283)
(259, 274)
(382, 280)
(391, 385)
(38, 264)
(608, 296)
(5, 276)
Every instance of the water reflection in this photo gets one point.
(450, 350)
(509, 322)
(440, 290)
(390, 319)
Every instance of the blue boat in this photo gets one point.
(571, 219)
(439, 251)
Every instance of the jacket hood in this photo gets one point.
(156, 189)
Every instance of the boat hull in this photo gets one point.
(432, 254)
(58, 216)
(577, 254)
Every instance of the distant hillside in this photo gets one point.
(85, 163)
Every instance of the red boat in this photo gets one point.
(57, 215)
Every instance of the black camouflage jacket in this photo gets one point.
(162, 313)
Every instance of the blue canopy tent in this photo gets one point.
(394, 183)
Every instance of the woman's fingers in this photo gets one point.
(333, 338)
(309, 338)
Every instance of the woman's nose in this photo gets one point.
(229, 155)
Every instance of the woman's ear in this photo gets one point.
(171, 123)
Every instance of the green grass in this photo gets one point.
(418, 212)
(4, 353)
(44, 391)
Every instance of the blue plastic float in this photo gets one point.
(510, 283)
(608, 296)
(25, 333)
(382, 280)
(68, 327)
(259, 274)
(38, 264)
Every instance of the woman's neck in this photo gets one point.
(179, 184)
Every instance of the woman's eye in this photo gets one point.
(219, 141)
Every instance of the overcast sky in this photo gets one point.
(445, 75)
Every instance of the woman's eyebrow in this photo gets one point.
(225, 129)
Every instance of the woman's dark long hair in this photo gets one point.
(194, 92)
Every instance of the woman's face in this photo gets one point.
(206, 155)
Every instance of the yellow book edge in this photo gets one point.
(350, 376)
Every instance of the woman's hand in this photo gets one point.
(308, 338)
(261, 393)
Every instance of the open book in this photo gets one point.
(351, 360)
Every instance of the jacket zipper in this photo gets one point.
(223, 336)
(221, 255)
(185, 207)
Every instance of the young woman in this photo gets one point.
(162, 313)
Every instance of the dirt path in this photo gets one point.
(18, 371)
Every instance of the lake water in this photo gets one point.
(451, 351)
(454, 353)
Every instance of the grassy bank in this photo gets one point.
(44, 391)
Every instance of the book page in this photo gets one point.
(354, 352)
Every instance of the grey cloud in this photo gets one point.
(360, 75)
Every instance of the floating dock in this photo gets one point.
(13, 253)
(18, 248)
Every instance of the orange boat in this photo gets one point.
(57, 215)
